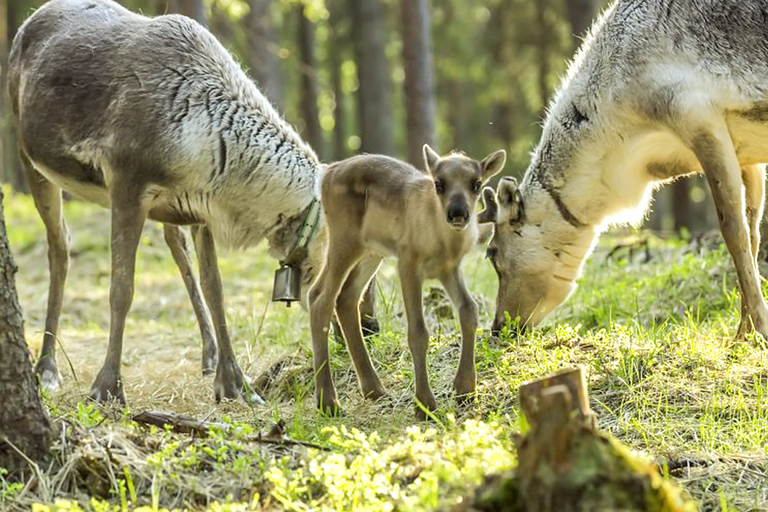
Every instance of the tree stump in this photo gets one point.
(566, 465)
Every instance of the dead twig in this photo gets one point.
(202, 428)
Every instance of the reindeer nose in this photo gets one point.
(458, 215)
(515, 330)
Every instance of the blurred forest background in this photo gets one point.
(385, 76)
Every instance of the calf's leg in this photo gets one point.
(418, 335)
(464, 384)
(348, 310)
(343, 255)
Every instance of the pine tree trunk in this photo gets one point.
(191, 8)
(12, 172)
(24, 425)
(542, 49)
(375, 92)
(338, 37)
(312, 132)
(419, 84)
(580, 16)
(262, 51)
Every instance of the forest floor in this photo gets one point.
(652, 323)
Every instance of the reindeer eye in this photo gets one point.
(439, 186)
(476, 186)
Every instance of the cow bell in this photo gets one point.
(287, 285)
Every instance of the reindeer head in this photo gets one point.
(533, 278)
(458, 181)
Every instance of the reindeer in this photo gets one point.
(658, 90)
(374, 206)
(153, 119)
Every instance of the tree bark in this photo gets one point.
(580, 16)
(338, 36)
(374, 94)
(312, 132)
(542, 48)
(24, 425)
(419, 84)
(262, 51)
(12, 172)
(681, 204)
(191, 8)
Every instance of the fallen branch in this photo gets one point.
(202, 428)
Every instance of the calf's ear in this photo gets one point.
(510, 201)
(430, 158)
(490, 207)
(492, 164)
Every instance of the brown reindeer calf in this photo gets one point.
(375, 206)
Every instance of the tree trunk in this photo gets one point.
(542, 45)
(505, 61)
(262, 51)
(580, 16)
(191, 8)
(12, 172)
(681, 205)
(374, 94)
(419, 85)
(335, 58)
(24, 425)
(312, 132)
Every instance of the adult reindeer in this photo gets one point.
(152, 118)
(658, 90)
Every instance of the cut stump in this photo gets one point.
(566, 465)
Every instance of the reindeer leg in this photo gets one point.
(342, 257)
(464, 384)
(368, 310)
(418, 335)
(229, 382)
(718, 158)
(348, 312)
(127, 222)
(178, 243)
(368, 320)
(47, 197)
(753, 177)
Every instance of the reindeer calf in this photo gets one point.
(374, 206)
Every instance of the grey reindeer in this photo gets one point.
(658, 90)
(153, 119)
(377, 206)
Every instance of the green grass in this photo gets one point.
(656, 339)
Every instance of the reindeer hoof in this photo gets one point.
(48, 375)
(107, 387)
(375, 393)
(333, 410)
(424, 407)
(230, 384)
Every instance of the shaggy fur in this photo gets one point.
(658, 90)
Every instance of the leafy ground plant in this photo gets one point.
(652, 323)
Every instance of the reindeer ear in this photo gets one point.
(510, 201)
(430, 158)
(493, 163)
(491, 209)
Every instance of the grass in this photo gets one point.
(665, 377)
